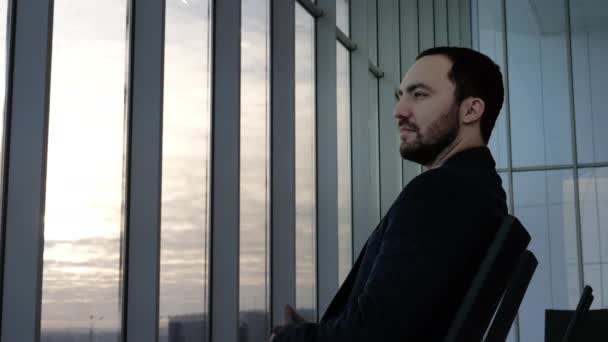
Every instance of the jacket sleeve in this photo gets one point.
(409, 283)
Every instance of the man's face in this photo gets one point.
(427, 113)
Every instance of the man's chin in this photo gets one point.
(414, 154)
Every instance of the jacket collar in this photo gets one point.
(475, 156)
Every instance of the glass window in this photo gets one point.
(593, 197)
(506, 186)
(343, 15)
(254, 252)
(306, 239)
(589, 20)
(538, 80)
(544, 203)
(504, 176)
(491, 43)
(184, 266)
(82, 273)
(345, 235)
(541, 130)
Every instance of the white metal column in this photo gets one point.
(465, 23)
(440, 9)
(409, 50)
(454, 22)
(388, 60)
(29, 56)
(475, 24)
(225, 171)
(144, 155)
(327, 154)
(282, 199)
(362, 207)
(375, 73)
(426, 25)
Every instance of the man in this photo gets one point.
(416, 266)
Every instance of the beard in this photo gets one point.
(441, 133)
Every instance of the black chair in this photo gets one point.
(579, 315)
(579, 325)
(507, 310)
(498, 287)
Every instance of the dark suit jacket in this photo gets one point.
(414, 269)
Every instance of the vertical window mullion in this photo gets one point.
(465, 23)
(25, 172)
(409, 50)
(144, 150)
(361, 161)
(326, 126)
(388, 59)
(441, 22)
(282, 199)
(454, 22)
(426, 24)
(225, 170)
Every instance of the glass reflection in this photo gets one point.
(539, 90)
(344, 163)
(491, 30)
(81, 283)
(184, 267)
(306, 239)
(544, 203)
(593, 199)
(589, 21)
(254, 262)
(343, 15)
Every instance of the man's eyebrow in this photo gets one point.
(409, 89)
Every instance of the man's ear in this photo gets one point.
(472, 109)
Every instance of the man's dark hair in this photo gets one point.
(474, 74)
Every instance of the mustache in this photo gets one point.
(403, 123)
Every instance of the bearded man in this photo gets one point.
(416, 266)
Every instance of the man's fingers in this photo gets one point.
(288, 315)
(291, 316)
(297, 317)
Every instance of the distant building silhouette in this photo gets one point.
(253, 327)
(188, 328)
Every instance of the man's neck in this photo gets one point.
(456, 147)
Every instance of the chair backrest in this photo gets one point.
(490, 281)
(578, 317)
(514, 294)
(593, 328)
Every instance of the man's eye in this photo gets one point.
(419, 94)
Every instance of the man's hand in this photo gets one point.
(290, 317)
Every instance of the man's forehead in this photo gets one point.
(430, 70)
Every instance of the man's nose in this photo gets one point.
(401, 110)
